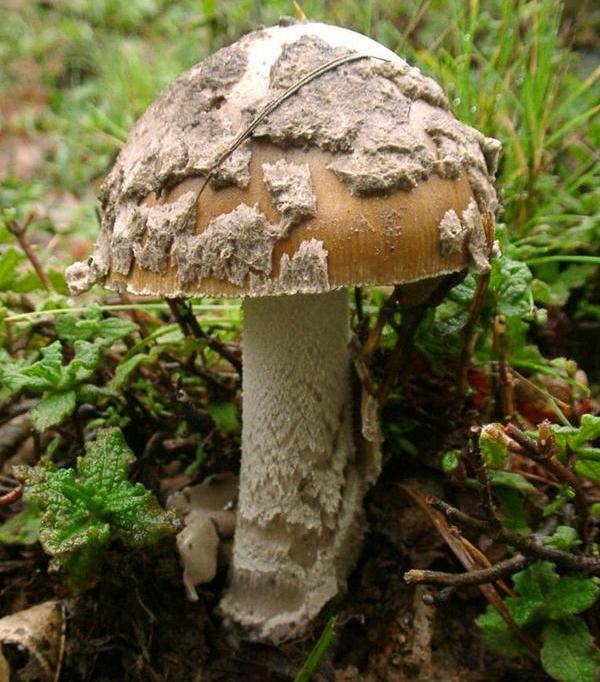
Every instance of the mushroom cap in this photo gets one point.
(358, 175)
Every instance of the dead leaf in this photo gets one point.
(40, 630)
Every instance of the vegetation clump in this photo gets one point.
(85, 509)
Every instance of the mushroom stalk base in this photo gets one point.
(299, 521)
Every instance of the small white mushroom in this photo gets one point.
(209, 518)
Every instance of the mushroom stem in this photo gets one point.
(301, 485)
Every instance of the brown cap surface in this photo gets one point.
(360, 176)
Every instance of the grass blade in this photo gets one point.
(320, 649)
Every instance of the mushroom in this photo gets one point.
(209, 518)
(298, 161)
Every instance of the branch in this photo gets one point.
(504, 371)
(526, 545)
(459, 545)
(362, 322)
(476, 577)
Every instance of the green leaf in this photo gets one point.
(518, 351)
(589, 429)
(564, 537)
(493, 446)
(564, 494)
(94, 327)
(23, 528)
(576, 438)
(568, 652)
(88, 357)
(496, 634)
(536, 581)
(510, 285)
(588, 468)
(106, 461)
(83, 511)
(126, 368)
(508, 479)
(566, 436)
(225, 416)
(53, 409)
(571, 595)
(546, 603)
(40, 376)
(49, 374)
(9, 260)
(305, 674)
(512, 508)
(451, 460)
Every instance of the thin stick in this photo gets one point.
(191, 327)
(385, 313)
(462, 378)
(504, 373)
(362, 322)
(12, 496)
(360, 365)
(111, 308)
(453, 540)
(273, 104)
(401, 355)
(19, 233)
(477, 577)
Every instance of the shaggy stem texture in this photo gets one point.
(301, 484)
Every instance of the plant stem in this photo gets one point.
(190, 326)
(19, 233)
(542, 260)
(111, 308)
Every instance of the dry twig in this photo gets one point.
(476, 577)
(453, 540)
(527, 545)
(12, 496)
